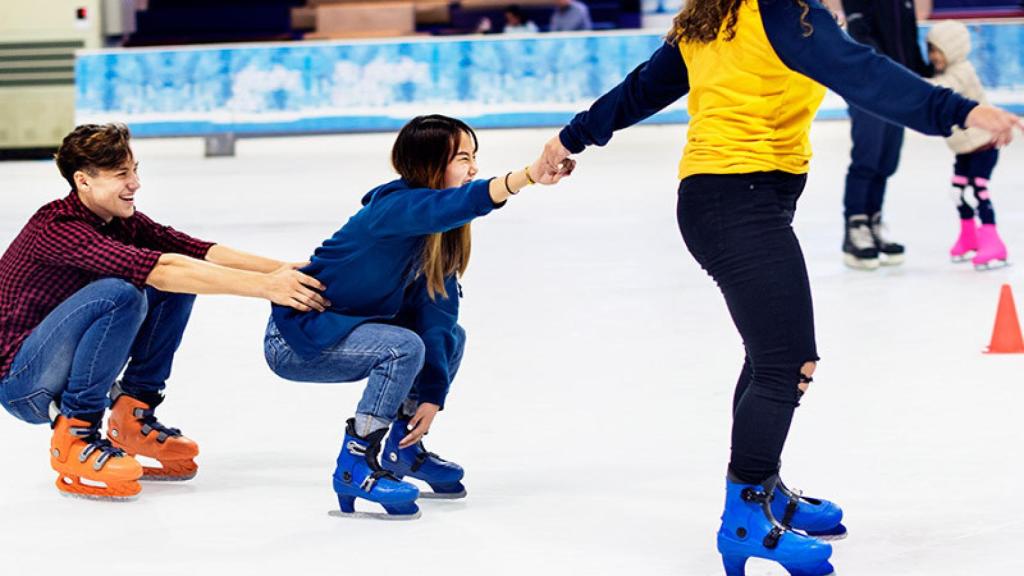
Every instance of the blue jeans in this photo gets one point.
(74, 355)
(389, 357)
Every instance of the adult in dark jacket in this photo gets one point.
(890, 27)
(393, 270)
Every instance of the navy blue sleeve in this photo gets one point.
(434, 321)
(863, 77)
(422, 211)
(652, 86)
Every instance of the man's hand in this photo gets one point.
(554, 156)
(419, 424)
(289, 287)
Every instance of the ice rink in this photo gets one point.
(592, 409)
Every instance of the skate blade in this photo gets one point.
(442, 495)
(74, 487)
(839, 533)
(98, 497)
(374, 515)
(826, 570)
(170, 471)
(992, 265)
(892, 260)
(859, 263)
(166, 478)
(966, 257)
(829, 537)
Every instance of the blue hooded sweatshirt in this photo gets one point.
(369, 267)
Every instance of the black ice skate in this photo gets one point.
(859, 249)
(891, 253)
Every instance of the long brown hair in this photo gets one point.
(701, 21)
(421, 154)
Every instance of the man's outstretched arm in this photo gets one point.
(285, 285)
(230, 258)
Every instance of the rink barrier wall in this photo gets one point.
(360, 86)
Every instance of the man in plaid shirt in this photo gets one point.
(90, 285)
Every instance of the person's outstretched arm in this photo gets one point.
(231, 258)
(422, 211)
(80, 246)
(162, 238)
(285, 286)
(871, 81)
(648, 89)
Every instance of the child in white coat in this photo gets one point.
(949, 43)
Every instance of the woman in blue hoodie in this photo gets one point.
(392, 280)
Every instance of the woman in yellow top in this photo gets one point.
(756, 72)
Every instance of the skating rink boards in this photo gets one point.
(592, 410)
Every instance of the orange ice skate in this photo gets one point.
(88, 466)
(134, 428)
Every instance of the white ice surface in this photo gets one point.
(592, 410)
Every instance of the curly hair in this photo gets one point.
(701, 21)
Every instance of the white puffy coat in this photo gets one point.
(954, 40)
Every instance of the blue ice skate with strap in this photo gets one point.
(812, 516)
(749, 530)
(444, 477)
(359, 475)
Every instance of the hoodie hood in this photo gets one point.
(953, 39)
(384, 190)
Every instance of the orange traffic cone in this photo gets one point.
(1006, 336)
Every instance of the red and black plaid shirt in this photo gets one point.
(63, 248)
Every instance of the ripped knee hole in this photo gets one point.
(806, 375)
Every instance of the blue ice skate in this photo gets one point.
(812, 516)
(358, 475)
(749, 530)
(444, 477)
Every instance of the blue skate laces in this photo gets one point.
(150, 423)
(95, 442)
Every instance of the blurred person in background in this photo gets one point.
(516, 22)
(570, 16)
(949, 45)
(890, 27)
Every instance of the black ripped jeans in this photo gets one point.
(739, 228)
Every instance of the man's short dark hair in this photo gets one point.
(92, 147)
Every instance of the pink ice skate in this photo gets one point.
(967, 244)
(991, 250)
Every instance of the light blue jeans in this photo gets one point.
(389, 357)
